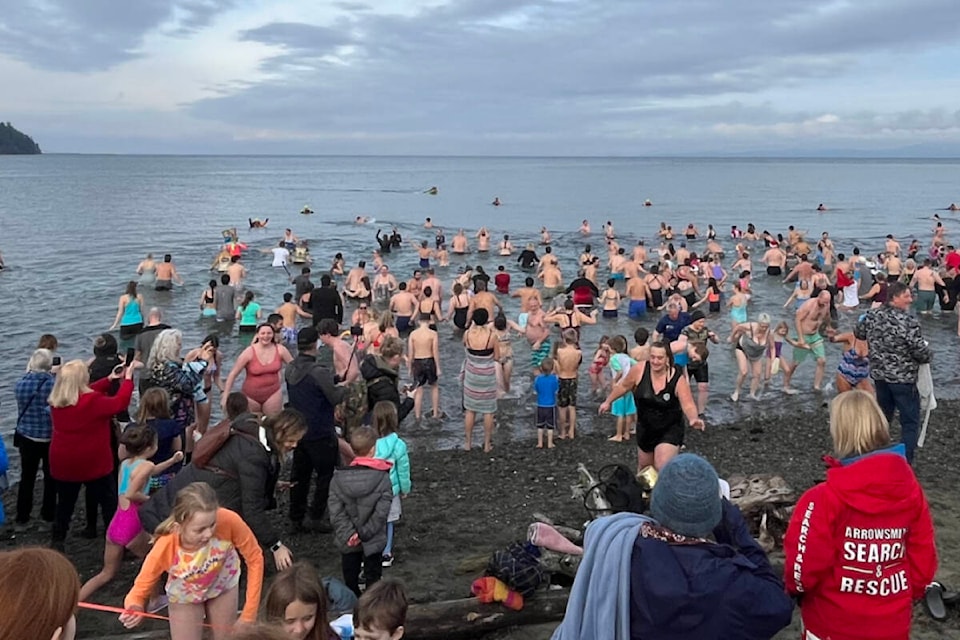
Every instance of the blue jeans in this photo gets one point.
(905, 398)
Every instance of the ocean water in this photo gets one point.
(75, 227)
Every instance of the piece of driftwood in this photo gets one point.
(594, 500)
(464, 619)
(766, 501)
(564, 563)
(451, 619)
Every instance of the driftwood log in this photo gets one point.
(451, 619)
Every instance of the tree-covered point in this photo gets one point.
(16, 142)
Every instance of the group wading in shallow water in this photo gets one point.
(331, 376)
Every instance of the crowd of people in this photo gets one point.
(321, 403)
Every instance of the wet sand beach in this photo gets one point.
(466, 504)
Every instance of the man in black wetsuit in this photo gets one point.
(325, 302)
(528, 258)
(396, 239)
(385, 242)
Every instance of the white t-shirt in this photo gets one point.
(280, 256)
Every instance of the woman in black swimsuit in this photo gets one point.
(662, 395)
(429, 309)
(459, 304)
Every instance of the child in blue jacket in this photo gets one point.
(392, 448)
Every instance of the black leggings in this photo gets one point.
(102, 492)
(34, 456)
(351, 563)
(312, 456)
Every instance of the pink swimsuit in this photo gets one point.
(262, 380)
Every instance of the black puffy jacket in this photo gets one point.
(382, 384)
(245, 483)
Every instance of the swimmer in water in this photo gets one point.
(362, 220)
(953, 207)
(306, 210)
(257, 223)
(585, 228)
(647, 203)
(496, 202)
(820, 207)
(545, 236)
(428, 224)
(290, 239)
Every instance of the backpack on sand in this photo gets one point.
(620, 487)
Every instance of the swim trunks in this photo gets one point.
(403, 324)
(816, 347)
(609, 313)
(567, 394)
(637, 309)
(537, 357)
(163, 285)
(546, 418)
(289, 335)
(774, 271)
(925, 300)
(424, 371)
(424, 263)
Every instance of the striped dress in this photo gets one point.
(480, 380)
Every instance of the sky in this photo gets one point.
(483, 77)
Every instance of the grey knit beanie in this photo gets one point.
(686, 498)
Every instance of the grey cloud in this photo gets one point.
(308, 38)
(92, 35)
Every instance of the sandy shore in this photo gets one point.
(466, 504)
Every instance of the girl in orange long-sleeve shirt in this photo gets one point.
(197, 547)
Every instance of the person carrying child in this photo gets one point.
(197, 547)
(359, 504)
(125, 531)
(393, 449)
(546, 385)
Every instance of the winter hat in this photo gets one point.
(686, 498)
(697, 315)
(307, 338)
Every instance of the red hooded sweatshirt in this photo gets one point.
(860, 549)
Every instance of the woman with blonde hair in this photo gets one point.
(45, 611)
(860, 546)
(80, 450)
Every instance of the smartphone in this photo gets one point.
(129, 359)
(56, 361)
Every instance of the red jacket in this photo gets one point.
(80, 449)
(860, 549)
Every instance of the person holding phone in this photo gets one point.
(81, 454)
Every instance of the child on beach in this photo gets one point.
(297, 602)
(359, 504)
(600, 359)
(381, 612)
(778, 362)
(154, 412)
(569, 358)
(623, 408)
(546, 385)
(197, 547)
(393, 449)
(502, 331)
(125, 532)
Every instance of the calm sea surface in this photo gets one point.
(75, 227)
